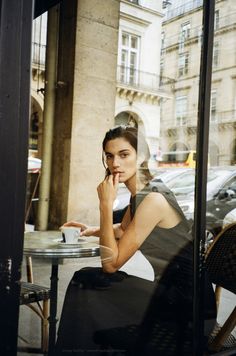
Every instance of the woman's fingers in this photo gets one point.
(116, 180)
(74, 224)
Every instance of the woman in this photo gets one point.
(153, 226)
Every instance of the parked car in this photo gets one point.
(123, 196)
(221, 194)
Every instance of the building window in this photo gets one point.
(181, 111)
(162, 43)
(213, 116)
(217, 20)
(215, 59)
(184, 35)
(129, 58)
(185, 31)
(183, 64)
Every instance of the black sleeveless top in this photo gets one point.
(166, 246)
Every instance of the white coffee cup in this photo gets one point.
(71, 234)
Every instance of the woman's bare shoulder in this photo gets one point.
(155, 199)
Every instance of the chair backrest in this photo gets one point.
(221, 259)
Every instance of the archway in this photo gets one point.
(126, 118)
(179, 146)
(35, 128)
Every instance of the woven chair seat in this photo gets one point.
(221, 262)
(31, 293)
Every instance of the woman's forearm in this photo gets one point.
(118, 232)
(107, 235)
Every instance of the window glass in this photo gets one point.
(128, 73)
(156, 100)
(181, 111)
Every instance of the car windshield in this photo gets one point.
(169, 174)
(185, 182)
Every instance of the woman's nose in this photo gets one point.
(116, 162)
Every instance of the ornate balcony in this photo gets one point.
(180, 10)
(133, 82)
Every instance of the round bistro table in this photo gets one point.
(49, 245)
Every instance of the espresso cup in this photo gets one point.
(70, 234)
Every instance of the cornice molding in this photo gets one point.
(134, 19)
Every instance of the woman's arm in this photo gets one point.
(153, 210)
(95, 230)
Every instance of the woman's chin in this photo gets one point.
(122, 179)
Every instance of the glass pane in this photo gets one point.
(148, 193)
(134, 42)
(221, 199)
(125, 39)
(133, 59)
(179, 113)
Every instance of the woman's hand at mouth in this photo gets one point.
(107, 189)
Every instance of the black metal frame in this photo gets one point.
(15, 45)
(201, 173)
(15, 64)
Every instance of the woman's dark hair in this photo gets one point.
(136, 140)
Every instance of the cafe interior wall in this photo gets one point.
(84, 108)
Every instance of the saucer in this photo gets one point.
(66, 245)
(75, 244)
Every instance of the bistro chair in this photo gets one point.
(35, 296)
(221, 268)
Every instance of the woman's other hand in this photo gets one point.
(85, 230)
(107, 190)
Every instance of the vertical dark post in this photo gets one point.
(15, 64)
(201, 172)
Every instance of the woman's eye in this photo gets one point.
(108, 157)
(123, 155)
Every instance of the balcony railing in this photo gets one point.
(226, 21)
(179, 39)
(38, 53)
(180, 10)
(225, 116)
(130, 77)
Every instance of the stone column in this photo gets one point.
(85, 107)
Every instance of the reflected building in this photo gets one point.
(139, 88)
(180, 60)
(111, 76)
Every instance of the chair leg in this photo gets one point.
(29, 269)
(224, 332)
(44, 326)
(217, 296)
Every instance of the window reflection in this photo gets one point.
(162, 103)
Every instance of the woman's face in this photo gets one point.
(121, 158)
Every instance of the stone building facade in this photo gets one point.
(111, 76)
(180, 60)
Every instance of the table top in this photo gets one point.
(48, 244)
